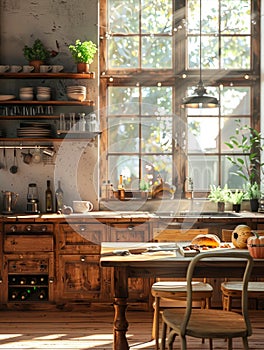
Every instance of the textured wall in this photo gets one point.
(57, 23)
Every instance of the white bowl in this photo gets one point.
(26, 97)
(43, 97)
(76, 96)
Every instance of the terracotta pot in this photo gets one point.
(82, 67)
(36, 64)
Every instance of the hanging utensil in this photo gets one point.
(14, 168)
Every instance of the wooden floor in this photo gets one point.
(91, 329)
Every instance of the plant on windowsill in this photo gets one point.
(249, 142)
(236, 198)
(219, 195)
(83, 54)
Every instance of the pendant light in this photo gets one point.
(200, 100)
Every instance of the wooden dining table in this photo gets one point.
(148, 260)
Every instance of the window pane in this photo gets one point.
(123, 16)
(156, 52)
(158, 165)
(123, 135)
(156, 100)
(125, 165)
(228, 127)
(123, 100)
(204, 171)
(123, 52)
(156, 135)
(235, 52)
(229, 175)
(235, 101)
(199, 137)
(210, 16)
(156, 16)
(235, 17)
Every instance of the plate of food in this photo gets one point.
(202, 243)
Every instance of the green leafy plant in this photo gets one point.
(249, 142)
(83, 52)
(37, 52)
(218, 194)
(236, 197)
(252, 191)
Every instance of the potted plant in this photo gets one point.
(38, 54)
(219, 195)
(253, 194)
(250, 143)
(83, 54)
(236, 198)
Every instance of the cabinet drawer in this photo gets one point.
(125, 232)
(28, 266)
(28, 243)
(81, 238)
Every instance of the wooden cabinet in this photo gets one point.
(28, 265)
(80, 277)
(139, 288)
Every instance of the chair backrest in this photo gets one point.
(226, 235)
(177, 235)
(212, 255)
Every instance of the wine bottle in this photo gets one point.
(42, 294)
(59, 198)
(24, 295)
(121, 189)
(14, 295)
(48, 199)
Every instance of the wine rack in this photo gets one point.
(28, 288)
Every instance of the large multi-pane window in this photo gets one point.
(153, 53)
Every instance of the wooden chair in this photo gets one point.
(167, 292)
(233, 289)
(209, 323)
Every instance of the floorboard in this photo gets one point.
(92, 329)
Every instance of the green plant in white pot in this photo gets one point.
(219, 195)
(83, 54)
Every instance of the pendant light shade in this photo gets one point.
(200, 99)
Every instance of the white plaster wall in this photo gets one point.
(57, 23)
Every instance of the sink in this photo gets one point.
(209, 213)
(196, 213)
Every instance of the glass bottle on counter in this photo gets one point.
(121, 189)
(59, 198)
(48, 199)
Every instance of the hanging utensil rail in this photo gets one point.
(25, 147)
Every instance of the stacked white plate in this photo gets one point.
(76, 92)
(34, 129)
(43, 93)
(26, 93)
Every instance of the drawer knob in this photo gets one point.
(13, 228)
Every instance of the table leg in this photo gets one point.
(120, 305)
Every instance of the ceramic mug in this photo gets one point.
(3, 68)
(15, 69)
(28, 69)
(45, 69)
(57, 68)
(82, 206)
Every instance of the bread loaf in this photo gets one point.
(209, 240)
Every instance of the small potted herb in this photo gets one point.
(38, 54)
(253, 193)
(219, 195)
(236, 198)
(83, 54)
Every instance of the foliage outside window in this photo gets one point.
(150, 62)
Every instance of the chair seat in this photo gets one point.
(180, 286)
(207, 323)
(236, 286)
